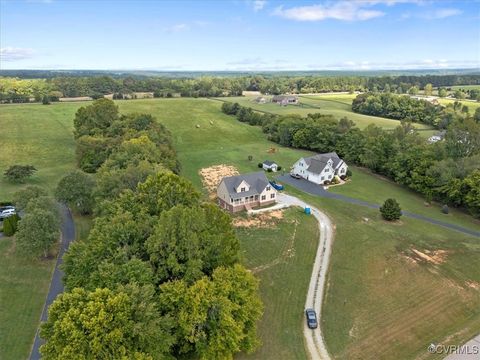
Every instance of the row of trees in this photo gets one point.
(405, 108)
(159, 275)
(446, 171)
(135, 140)
(20, 90)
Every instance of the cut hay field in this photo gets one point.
(472, 105)
(338, 105)
(383, 301)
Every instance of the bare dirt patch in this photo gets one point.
(262, 220)
(473, 285)
(434, 257)
(211, 176)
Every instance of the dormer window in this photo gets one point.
(242, 189)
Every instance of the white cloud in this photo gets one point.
(14, 54)
(177, 28)
(441, 13)
(341, 10)
(258, 5)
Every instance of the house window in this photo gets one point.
(231, 200)
(342, 170)
(268, 188)
(242, 189)
(272, 196)
(323, 178)
(264, 197)
(256, 197)
(327, 170)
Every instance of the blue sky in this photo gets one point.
(239, 35)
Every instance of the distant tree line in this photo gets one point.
(159, 276)
(400, 107)
(25, 90)
(446, 171)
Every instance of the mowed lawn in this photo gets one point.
(385, 302)
(24, 285)
(338, 105)
(286, 249)
(365, 185)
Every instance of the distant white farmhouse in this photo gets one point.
(437, 137)
(320, 168)
(267, 164)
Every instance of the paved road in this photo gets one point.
(314, 189)
(56, 284)
(313, 338)
(468, 351)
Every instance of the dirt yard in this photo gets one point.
(211, 176)
(263, 220)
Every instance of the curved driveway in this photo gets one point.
(56, 284)
(314, 338)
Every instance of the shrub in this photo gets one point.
(391, 210)
(279, 168)
(269, 170)
(18, 173)
(46, 100)
(10, 225)
(8, 229)
(260, 165)
(250, 157)
(445, 209)
(349, 173)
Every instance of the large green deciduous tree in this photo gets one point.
(96, 118)
(22, 197)
(106, 324)
(215, 317)
(75, 189)
(19, 173)
(189, 242)
(37, 232)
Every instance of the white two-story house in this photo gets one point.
(320, 168)
(241, 192)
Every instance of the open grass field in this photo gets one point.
(23, 288)
(383, 300)
(283, 285)
(338, 105)
(379, 301)
(376, 189)
(472, 105)
(38, 135)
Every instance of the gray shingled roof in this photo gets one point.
(257, 181)
(269, 162)
(317, 163)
